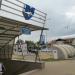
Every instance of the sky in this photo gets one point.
(60, 18)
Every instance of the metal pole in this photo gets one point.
(13, 47)
(0, 4)
(43, 28)
(8, 51)
(21, 48)
(4, 53)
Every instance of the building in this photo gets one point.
(62, 51)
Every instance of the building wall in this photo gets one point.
(60, 54)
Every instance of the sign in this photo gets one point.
(28, 12)
(42, 39)
(25, 30)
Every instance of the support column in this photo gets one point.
(13, 47)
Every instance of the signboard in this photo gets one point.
(28, 12)
(25, 30)
(42, 39)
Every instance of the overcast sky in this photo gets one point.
(60, 18)
(60, 14)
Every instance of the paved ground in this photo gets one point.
(31, 56)
(66, 67)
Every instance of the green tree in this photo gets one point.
(30, 44)
(19, 41)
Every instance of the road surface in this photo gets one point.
(66, 67)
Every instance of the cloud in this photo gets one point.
(61, 16)
(70, 13)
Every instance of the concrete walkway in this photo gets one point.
(66, 67)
